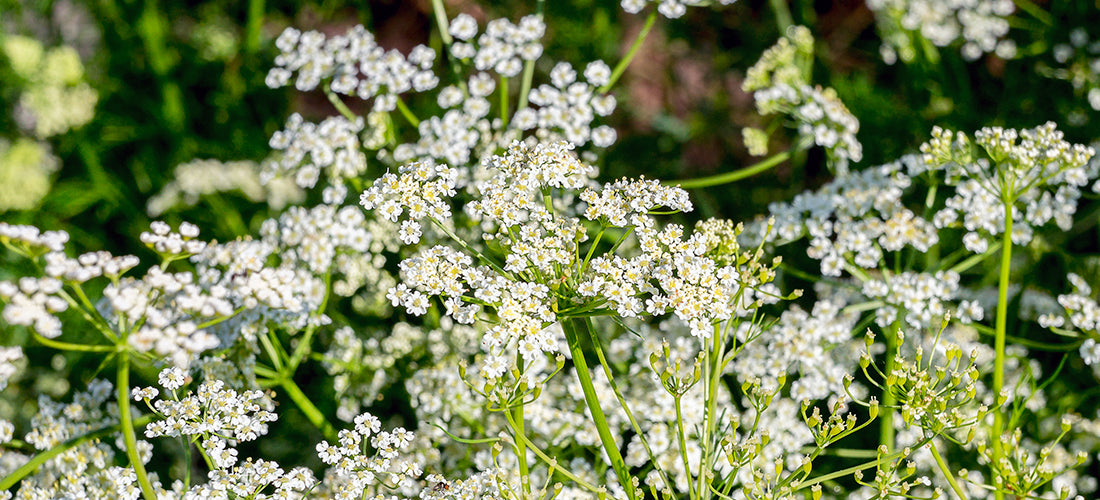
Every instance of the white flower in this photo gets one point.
(410, 232)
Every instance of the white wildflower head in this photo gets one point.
(1033, 173)
(779, 83)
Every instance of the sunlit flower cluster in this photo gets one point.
(366, 458)
(218, 414)
(1034, 172)
(854, 219)
(354, 63)
(502, 48)
(779, 83)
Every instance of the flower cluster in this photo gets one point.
(542, 249)
(309, 149)
(815, 344)
(355, 64)
(855, 219)
(779, 84)
(671, 9)
(981, 26)
(1034, 173)
(503, 47)
(919, 299)
(83, 470)
(214, 412)
(1083, 313)
(245, 479)
(570, 106)
(367, 458)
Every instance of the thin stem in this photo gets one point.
(466, 246)
(553, 462)
(529, 66)
(622, 403)
(253, 26)
(712, 378)
(572, 328)
(974, 259)
(128, 427)
(638, 40)
(682, 441)
(783, 19)
(67, 346)
(504, 100)
(407, 113)
(999, 334)
(736, 175)
(521, 452)
(31, 465)
(1035, 11)
(310, 410)
(886, 434)
(441, 20)
(946, 471)
(340, 106)
(305, 343)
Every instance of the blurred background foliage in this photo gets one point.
(179, 81)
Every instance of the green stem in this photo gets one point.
(310, 410)
(553, 462)
(128, 426)
(305, 344)
(339, 104)
(31, 465)
(886, 434)
(529, 66)
(466, 246)
(736, 175)
(504, 100)
(712, 378)
(67, 346)
(783, 18)
(407, 113)
(638, 40)
(622, 403)
(572, 328)
(682, 441)
(441, 20)
(973, 260)
(1035, 11)
(253, 26)
(946, 471)
(999, 335)
(521, 451)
